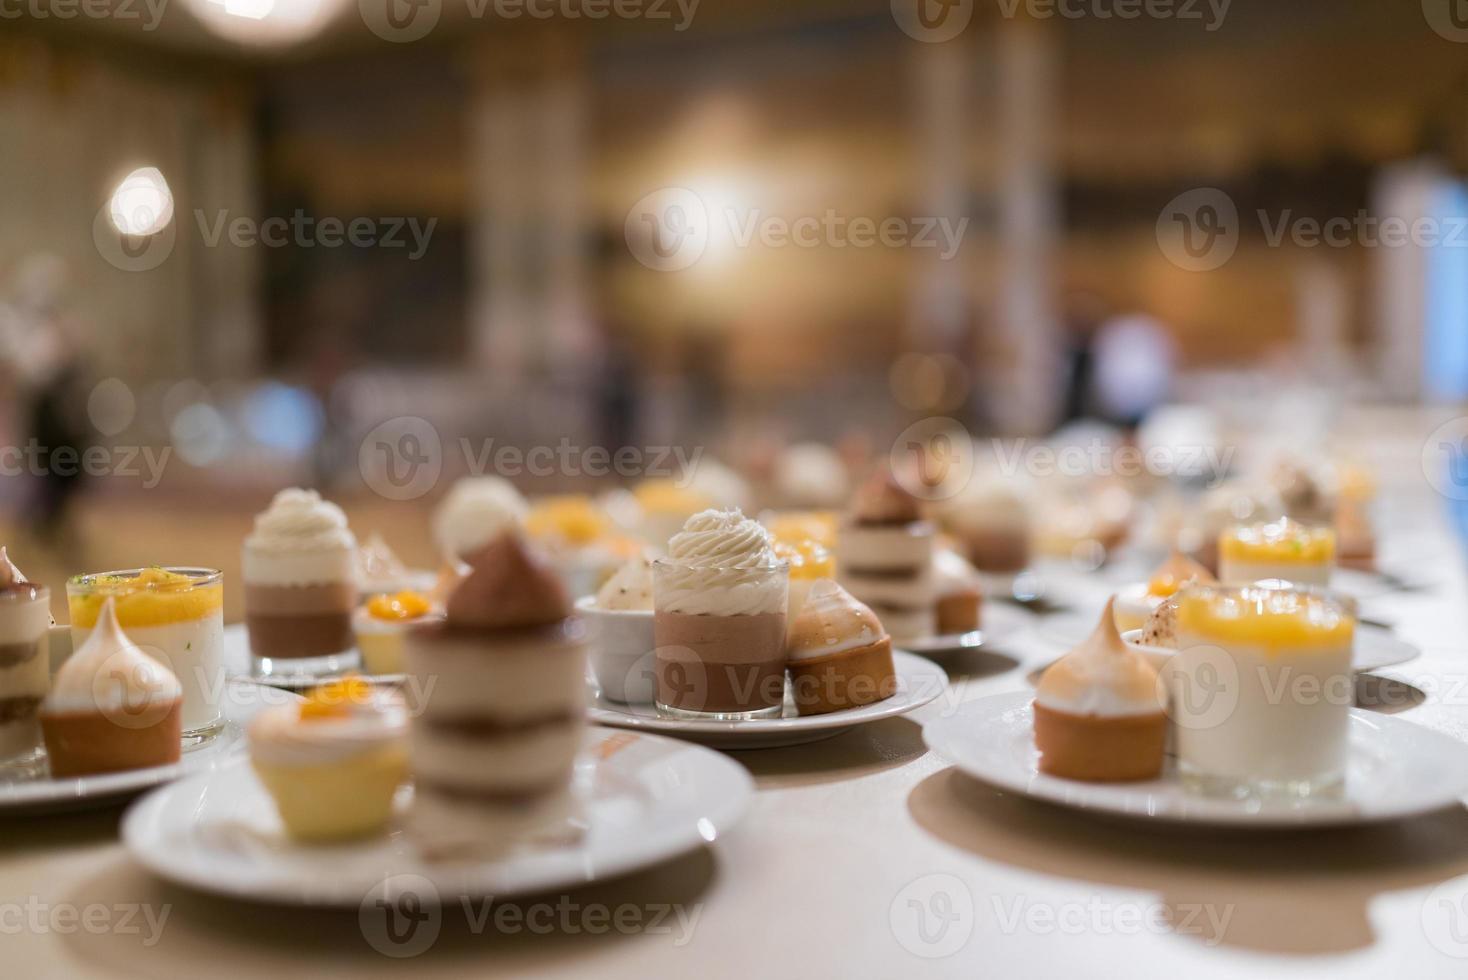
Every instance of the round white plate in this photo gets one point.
(647, 799)
(242, 701)
(1396, 769)
(918, 681)
(1000, 621)
(1374, 648)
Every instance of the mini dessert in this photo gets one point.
(1305, 490)
(1135, 603)
(1355, 535)
(1160, 628)
(380, 571)
(720, 599)
(993, 524)
(299, 567)
(580, 541)
(1262, 689)
(112, 707)
(663, 507)
(1233, 503)
(1279, 550)
(381, 623)
(839, 654)
(333, 762)
(25, 673)
(959, 593)
(809, 562)
(1099, 712)
(811, 474)
(795, 526)
(176, 615)
(619, 621)
(885, 554)
(476, 511)
(503, 682)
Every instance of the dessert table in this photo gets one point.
(862, 855)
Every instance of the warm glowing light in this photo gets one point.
(141, 204)
(267, 22)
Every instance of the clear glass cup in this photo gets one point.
(1260, 691)
(712, 664)
(179, 621)
(300, 626)
(1284, 549)
(25, 673)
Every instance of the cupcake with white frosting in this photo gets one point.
(1099, 712)
(839, 654)
(334, 761)
(111, 707)
(300, 572)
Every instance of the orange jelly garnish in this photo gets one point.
(335, 699)
(403, 605)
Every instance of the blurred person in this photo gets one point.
(43, 354)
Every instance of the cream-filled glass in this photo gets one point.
(1260, 691)
(1284, 549)
(719, 607)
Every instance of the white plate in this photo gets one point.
(647, 799)
(242, 702)
(1374, 648)
(1000, 621)
(918, 681)
(1396, 769)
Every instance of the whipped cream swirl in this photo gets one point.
(722, 564)
(300, 539)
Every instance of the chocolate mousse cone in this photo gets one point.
(847, 679)
(1099, 749)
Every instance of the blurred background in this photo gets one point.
(241, 240)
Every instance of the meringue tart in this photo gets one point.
(839, 655)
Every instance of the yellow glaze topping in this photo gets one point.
(1283, 540)
(795, 526)
(336, 699)
(808, 560)
(402, 605)
(572, 518)
(666, 497)
(153, 597)
(1276, 619)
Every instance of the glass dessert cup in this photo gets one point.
(722, 667)
(175, 614)
(25, 675)
(1260, 692)
(303, 631)
(1284, 549)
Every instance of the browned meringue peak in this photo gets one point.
(832, 621)
(1102, 676)
(510, 585)
(1176, 572)
(881, 499)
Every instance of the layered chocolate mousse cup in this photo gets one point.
(719, 606)
(25, 671)
(1261, 689)
(299, 568)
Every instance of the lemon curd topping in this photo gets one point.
(1163, 586)
(398, 606)
(666, 497)
(808, 559)
(572, 518)
(1281, 541)
(335, 699)
(1274, 619)
(152, 597)
(795, 526)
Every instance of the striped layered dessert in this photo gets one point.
(499, 713)
(885, 558)
(25, 674)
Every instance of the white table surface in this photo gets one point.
(856, 852)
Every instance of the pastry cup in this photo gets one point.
(338, 801)
(1100, 749)
(848, 679)
(84, 743)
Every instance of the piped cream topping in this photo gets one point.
(111, 674)
(476, 511)
(1101, 677)
(832, 621)
(721, 564)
